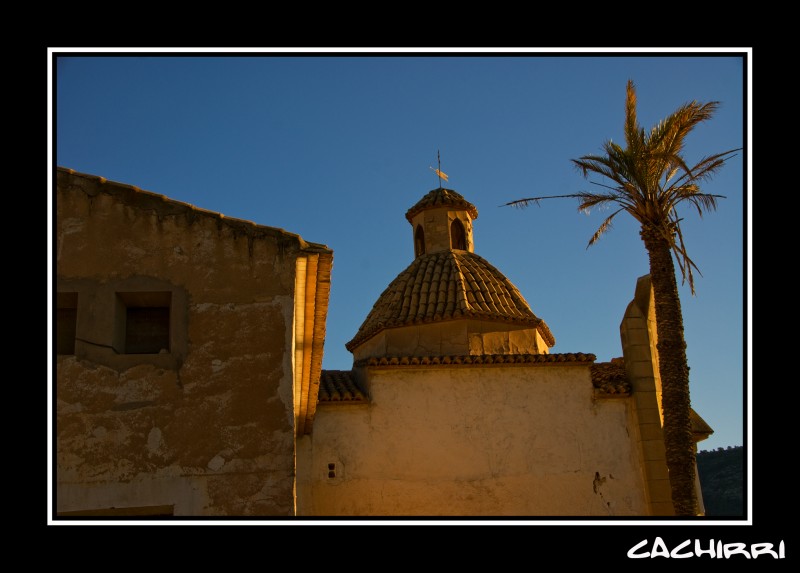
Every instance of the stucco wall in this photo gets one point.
(476, 441)
(207, 427)
(456, 337)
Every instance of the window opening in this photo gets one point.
(458, 237)
(66, 322)
(146, 317)
(419, 241)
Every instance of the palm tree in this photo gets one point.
(649, 179)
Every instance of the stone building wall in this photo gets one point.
(174, 375)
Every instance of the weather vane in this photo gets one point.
(439, 171)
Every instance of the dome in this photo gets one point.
(449, 285)
(442, 197)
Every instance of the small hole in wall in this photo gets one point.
(331, 470)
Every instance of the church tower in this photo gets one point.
(449, 302)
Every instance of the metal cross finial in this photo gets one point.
(438, 171)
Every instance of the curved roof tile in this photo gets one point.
(340, 386)
(610, 377)
(570, 358)
(442, 197)
(448, 285)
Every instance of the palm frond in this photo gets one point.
(632, 130)
(617, 166)
(588, 201)
(669, 135)
(605, 226)
(671, 173)
(522, 203)
(619, 190)
(596, 164)
(708, 166)
(703, 202)
(669, 163)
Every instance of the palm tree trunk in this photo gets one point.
(674, 370)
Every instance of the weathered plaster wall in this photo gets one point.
(476, 441)
(208, 426)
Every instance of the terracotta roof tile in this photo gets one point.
(610, 377)
(478, 359)
(340, 386)
(448, 285)
(442, 197)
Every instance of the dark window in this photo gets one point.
(458, 238)
(419, 241)
(146, 330)
(66, 322)
(147, 320)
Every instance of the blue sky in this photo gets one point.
(336, 146)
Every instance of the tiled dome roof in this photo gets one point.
(448, 285)
(442, 197)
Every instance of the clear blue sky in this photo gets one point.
(337, 146)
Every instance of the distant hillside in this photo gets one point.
(722, 476)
